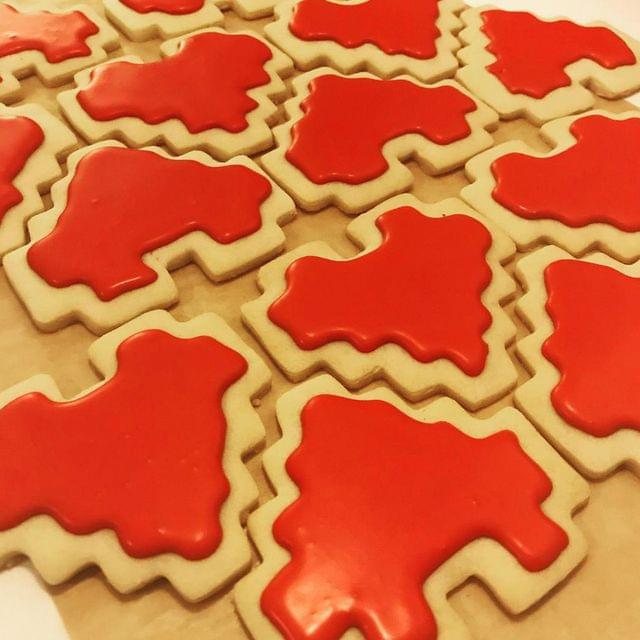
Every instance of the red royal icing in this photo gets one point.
(421, 289)
(394, 26)
(532, 54)
(19, 138)
(147, 202)
(595, 346)
(601, 190)
(174, 7)
(59, 36)
(141, 454)
(204, 85)
(374, 521)
(360, 115)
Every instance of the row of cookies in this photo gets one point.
(441, 328)
(274, 598)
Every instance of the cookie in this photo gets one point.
(102, 253)
(418, 307)
(146, 19)
(53, 43)
(583, 355)
(523, 65)
(385, 37)
(143, 20)
(347, 137)
(212, 90)
(121, 483)
(590, 195)
(31, 142)
(382, 510)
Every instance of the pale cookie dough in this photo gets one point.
(594, 456)
(52, 308)
(587, 77)
(58, 555)
(515, 588)
(218, 142)
(412, 378)
(529, 233)
(353, 198)
(40, 170)
(309, 54)
(25, 63)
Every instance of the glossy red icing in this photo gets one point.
(394, 26)
(360, 115)
(385, 500)
(59, 36)
(147, 202)
(141, 454)
(601, 190)
(421, 289)
(174, 7)
(595, 346)
(19, 138)
(204, 85)
(532, 54)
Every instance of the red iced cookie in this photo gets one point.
(107, 226)
(595, 345)
(421, 289)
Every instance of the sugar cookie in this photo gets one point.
(103, 479)
(31, 143)
(212, 90)
(53, 43)
(348, 136)
(102, 253)
(418, 307)
(385, 37)
(382, 510)
(522, 65)
(590, 195)
(583, 355)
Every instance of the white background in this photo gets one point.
(26, 610)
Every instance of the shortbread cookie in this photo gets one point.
(522, 65)
(382, 510)
(54, 43)
(213, 91)
(419, 306)
(386, 37)
(31, 142)
(348, 136)
(580, 196)
(142, 474)
(123, 217)
(584, 354)
(145, 19)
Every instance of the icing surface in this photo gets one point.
(204, 85)
(595, 346)
(394, 26)
(148, 202)
(174, 7)
(141, 454)
(420, 289)
(59, 36)
(20, 137)
(374, 521)
(532, 54)
(362, 114)
(595, 180)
